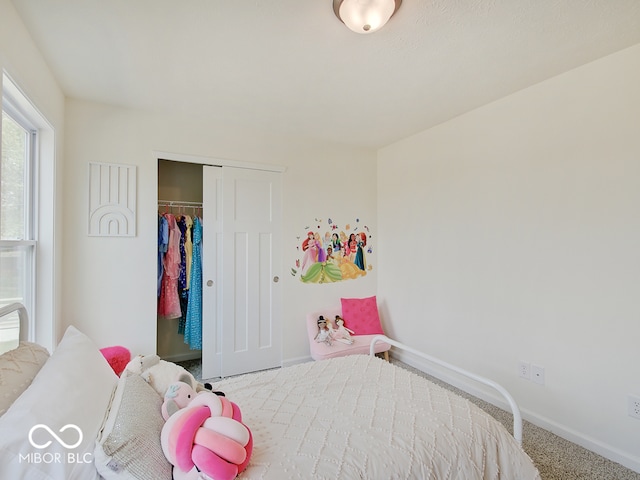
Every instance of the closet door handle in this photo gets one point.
(209, 283)
(276, 279)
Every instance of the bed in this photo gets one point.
(356, 416)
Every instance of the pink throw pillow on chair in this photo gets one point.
(361, 315)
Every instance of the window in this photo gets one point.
(27, 217)
(17, 216)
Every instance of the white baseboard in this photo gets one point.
(294, 361)
(183, 357)
(623, 458)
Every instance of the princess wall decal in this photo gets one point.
(333, 254)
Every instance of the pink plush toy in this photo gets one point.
(204, 433)
(117, 356)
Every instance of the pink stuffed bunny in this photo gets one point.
(178, 396)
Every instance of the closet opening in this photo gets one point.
(180, 215)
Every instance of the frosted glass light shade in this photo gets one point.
(365, 16)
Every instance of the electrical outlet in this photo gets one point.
(524, 370)
(634, 406)
(537, 374)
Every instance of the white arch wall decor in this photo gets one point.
(112, 200)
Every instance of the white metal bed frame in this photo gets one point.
(515, 410)
(23, 317)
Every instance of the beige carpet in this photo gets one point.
(555, 457)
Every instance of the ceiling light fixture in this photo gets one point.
(365, 16)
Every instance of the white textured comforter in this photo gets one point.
(361, 417)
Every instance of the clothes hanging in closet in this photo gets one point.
(169, 301)
(163, 241)
(185, 225)
(188, 248)
(193, 326)
(183, 293)
(179, 269)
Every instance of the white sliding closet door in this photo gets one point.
(241, 264)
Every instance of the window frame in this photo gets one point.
(29, 242)
(42, 232)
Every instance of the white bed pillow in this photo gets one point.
(18, 368)
(74, 387)
(128, 447)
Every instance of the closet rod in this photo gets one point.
(171, 203)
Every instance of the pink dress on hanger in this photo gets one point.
(169, 303)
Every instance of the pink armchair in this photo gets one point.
(360, 345)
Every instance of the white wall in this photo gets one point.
(23, 63)
(512, 234)
(110, 283)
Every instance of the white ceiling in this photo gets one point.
(291, 67)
